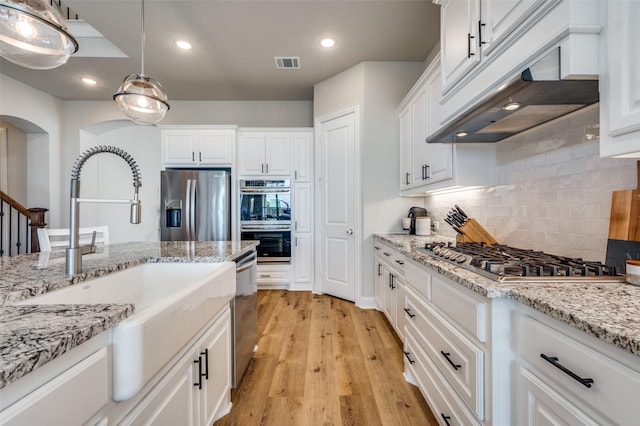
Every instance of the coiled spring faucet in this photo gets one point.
(74, 252)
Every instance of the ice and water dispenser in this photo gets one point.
(173, 212)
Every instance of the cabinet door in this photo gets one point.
(404, 118)
(540, 404)
(215, 354)
(179, 146)
(278, 155)
(302, 157)
(390, 283)
(215, 148)
(251, 154)
(439, 156)
(302, 208)
(379, 282)
(501, 18)
(458, 39)
(302, 259)
(619, 81)
(418, 135)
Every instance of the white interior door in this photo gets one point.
(337, 188)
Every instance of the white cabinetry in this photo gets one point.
(302, 144)
(303, 265)
(422, 164)
(194, 146)
(485, 43)
(264, 153)
(274, 276)
(389, 282)
(459, 24)
(73, 397)
(197, 389)
(566, 376)
(619, 77)
(430, 167)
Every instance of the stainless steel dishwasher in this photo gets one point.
(244, 315)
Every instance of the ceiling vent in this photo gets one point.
(287, 62)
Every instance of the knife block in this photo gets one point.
(475, 233)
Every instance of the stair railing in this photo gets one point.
(18, 227)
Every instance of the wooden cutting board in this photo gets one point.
(624, 222)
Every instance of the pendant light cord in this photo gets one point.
(142, 49)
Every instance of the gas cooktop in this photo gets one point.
(505, 263)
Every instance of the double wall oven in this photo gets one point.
(265, 215)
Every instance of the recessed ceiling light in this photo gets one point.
(89, 81)
(327, 42)
(183, 44)
(461, 134)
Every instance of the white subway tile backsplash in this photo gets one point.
(553, 192)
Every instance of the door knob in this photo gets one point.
(349, 231)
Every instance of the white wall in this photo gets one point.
(45, 112)
(553, 192)
(378, 87)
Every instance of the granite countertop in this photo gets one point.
(32, 335)
(607, 310)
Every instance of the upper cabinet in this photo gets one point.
(262, 153)
(485, 43)
(419, 115)
(427, 167)
(197, 146)
(459, 22)
(276, 152)
(619, 81)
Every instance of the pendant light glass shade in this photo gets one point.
(140, 97)
(33, 34)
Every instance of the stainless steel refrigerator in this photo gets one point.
(195, 205)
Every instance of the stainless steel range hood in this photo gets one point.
(536, 96)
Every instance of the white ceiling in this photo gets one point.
(234, 44)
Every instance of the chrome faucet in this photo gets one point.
(74, 252)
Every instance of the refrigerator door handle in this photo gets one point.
(193, 210)
(187, 202)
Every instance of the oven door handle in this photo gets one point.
(265, 228)
(264, 191)
(249, 265)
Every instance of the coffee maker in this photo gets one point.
(413, 213)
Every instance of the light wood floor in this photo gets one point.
(323, 361)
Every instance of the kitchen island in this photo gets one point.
(33, 336)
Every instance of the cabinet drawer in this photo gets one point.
(441, 398)
(614, 390)
(463, 307)
(418, 278)
(274, 274)
(458, 359)
(71, 398)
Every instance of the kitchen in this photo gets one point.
(553, 190)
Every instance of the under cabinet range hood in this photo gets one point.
(536, 96)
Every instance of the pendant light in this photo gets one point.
(33, 34)
(140, 97)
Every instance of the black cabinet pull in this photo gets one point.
(199, 382)
(407, 178)
(379, 269)
(446, 419)
(408, 358)
(426, 172)
(199, 156)
(469, 37)
(480, 25)
(409, 313)
(206, 363)
(446, 355)
(399, 262)
(386, 254)
(553, 360)
(193, 156)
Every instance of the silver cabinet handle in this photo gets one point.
(349, 231)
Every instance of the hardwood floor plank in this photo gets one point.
(323, 361)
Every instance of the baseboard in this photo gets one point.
(301, 286)
(366, 302)
(273, 286)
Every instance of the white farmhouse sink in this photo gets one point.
(173, 301)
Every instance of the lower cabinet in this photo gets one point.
(51, 403)
(274, 276)
(567, 377)
(302, 262)
(197, 390)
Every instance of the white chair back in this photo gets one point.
(58, 239)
